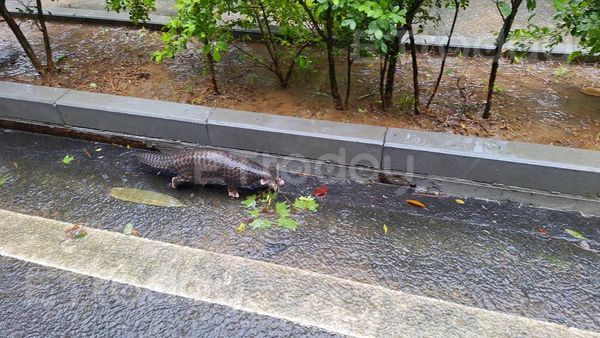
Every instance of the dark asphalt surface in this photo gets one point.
(484, 254)
(37, 301)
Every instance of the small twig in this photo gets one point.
(87, 153)
(367, 95)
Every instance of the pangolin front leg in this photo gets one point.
(233, 184)
(184, 176)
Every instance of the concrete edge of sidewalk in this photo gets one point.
(506, 164)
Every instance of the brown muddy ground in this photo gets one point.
(536, 101)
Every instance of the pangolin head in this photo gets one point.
(273, 181)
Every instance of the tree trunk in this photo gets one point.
(327, 37)
(349, 62)
(335, 93)
(383, 64)
(388, 92)
(395, 50)
(14, 27)
(445, 55)
(42, 21)
(415, 69)
(212, 73)
(502, 36)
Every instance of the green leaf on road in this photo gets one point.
(287, 223)
(575, 234)
(282, 209)
(3, 180)
(385, 229)
(250, 201)
(254, 212)
(68, 159)
(128, 229)
(145, 197)
(306, 203)
(261, 223)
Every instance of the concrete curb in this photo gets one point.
(303, 297)
(464, 45)
(539, 167)
(340, 143)
(134, 116)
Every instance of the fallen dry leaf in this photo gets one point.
(145, 197)
(321, 191)
(543, 231)
(592, 91)
(76, 231)
(416, 203)
(459, 201)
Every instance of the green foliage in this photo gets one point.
(288, 223)
(575, 233)
(561, 72)
(306, 203)
(68, 159)
(200, 21)
(285, 46)
(254, 212)
(579, 18)
(282, 209)
(250, 201)
(504, 8)
(138, 9)
(128, 229)
(500, 89)
(3, 180)
(261, 224)
(405, 100)
(264, 215)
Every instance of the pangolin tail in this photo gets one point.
(157, 160)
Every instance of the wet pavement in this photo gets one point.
(497, 256)
(480, 21)
(38, 301)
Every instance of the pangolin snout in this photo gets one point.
(273, 184)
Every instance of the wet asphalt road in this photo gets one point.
(43, 302)
(484, 254)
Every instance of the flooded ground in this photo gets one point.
(536, 102)
(496, 256)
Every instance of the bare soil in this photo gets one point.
(537, 101)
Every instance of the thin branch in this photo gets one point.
(314, 21)
(445, 56)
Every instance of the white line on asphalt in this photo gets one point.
(303, 297)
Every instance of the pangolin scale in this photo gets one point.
(208, 166)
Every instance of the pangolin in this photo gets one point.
(208, 166)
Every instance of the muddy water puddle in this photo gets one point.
(536, 102)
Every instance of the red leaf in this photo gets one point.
(543, 231)
(321, 191)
